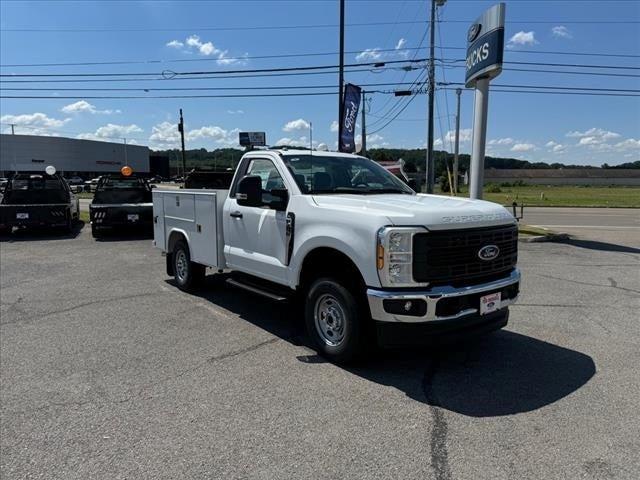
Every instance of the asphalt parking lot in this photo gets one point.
(109, 371)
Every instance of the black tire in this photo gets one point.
(335, 321)
(95, 233)
(187, 274)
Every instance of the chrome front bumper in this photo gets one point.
(432, 296)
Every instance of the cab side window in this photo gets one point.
(271, 179)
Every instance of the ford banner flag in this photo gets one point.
(350, 106)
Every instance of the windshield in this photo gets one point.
(34, 189)
(358, 175)
(115, 190)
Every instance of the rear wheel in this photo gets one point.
(187, 274)
(334, 321)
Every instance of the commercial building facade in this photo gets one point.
(86, 158)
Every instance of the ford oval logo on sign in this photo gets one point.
(474, 31)
(488, 252)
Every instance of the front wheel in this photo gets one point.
(334, 321)
(187, 274)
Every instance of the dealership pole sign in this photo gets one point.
(351, 104)
(485, 49)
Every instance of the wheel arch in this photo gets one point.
(329, 262)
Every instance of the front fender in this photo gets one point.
(356, 247)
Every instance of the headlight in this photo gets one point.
(394, 257)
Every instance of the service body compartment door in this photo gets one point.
(204, 240)
(159, 233)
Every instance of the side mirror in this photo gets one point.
(249, 192)
(280, 199)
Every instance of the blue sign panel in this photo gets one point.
(350, 107)
(485, 45)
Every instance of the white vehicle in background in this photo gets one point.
(368, 257)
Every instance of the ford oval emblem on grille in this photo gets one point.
(488, 252)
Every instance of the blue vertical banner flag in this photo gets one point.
(350, 106)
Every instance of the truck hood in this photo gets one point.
(437, 212)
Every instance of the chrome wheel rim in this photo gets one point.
(181, 265)
(330, 320)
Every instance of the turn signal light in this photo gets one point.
(380, 257)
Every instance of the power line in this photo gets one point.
(293, 27)
(546, 87)
(168, 74)
(296, 55)
(556, 52)
(189, 60)
(152, 89)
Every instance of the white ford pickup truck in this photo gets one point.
(367, 257)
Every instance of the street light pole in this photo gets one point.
(363, 150)
(126, 161)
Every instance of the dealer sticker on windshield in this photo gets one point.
(490, 303)
(133, 217)
(22, 216)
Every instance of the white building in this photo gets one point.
(71, 156)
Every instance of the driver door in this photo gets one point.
(255, 237)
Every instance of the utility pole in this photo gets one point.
(430, 161)
(181, 130)
(341, 73)
(12, 130)
(363, 150)
(455, 155)
(126, 161)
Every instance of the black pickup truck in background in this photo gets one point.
(37, 199)
(209, 179)
(122, 202)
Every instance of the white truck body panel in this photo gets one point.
(196, 215)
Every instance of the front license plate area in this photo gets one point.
(490, 303)
(22, 216)
(133, 217)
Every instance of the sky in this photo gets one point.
(161, 39)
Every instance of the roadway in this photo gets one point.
(109, 371)
(613, 225)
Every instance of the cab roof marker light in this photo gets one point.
(126, 171)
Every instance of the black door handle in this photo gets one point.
(236, 214)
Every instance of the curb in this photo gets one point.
(552, 237)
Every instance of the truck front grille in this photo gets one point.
(451, 257)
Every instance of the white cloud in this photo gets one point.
(558, 148)
(522, 38)
(369, 55)
(502, 141)
(164, 135)
(82, 106)
(560, 31)
(593, 136)
(450, 137)
(205, 48)
(523, 147)
(293, 125)
(111, 131)
(39, 120)
(194, 44)
(551, 144)
(334, 126)
(628, 144)
(235, 112)
(401, 43)
(291, 142)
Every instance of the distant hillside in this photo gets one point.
(414, 159)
